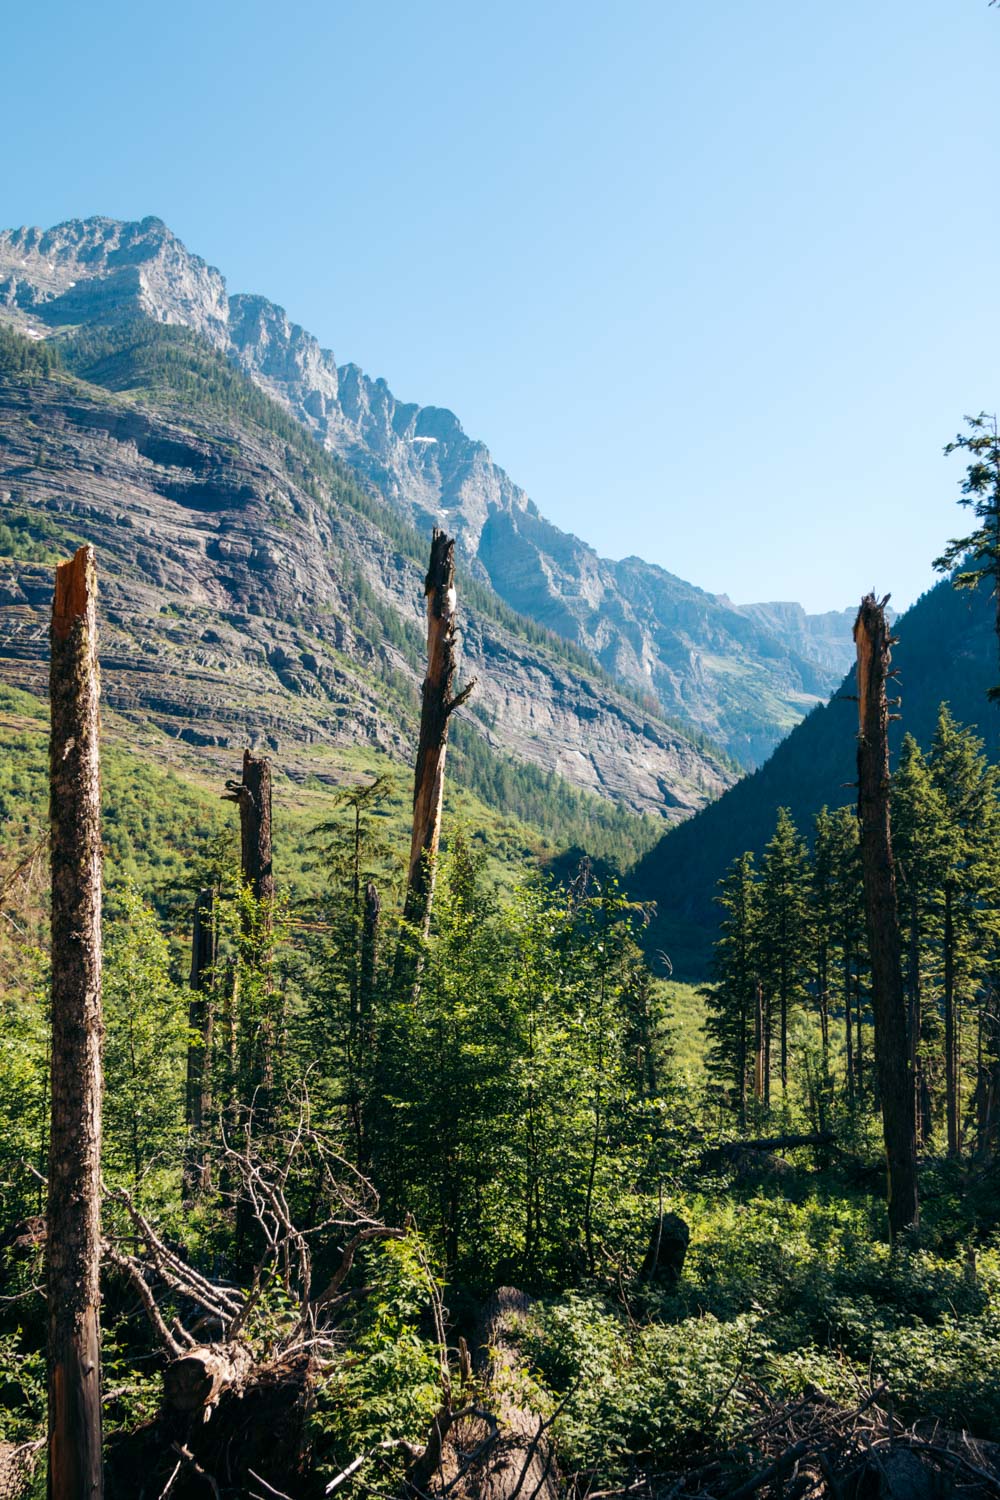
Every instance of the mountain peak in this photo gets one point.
(102, 269)
(742, 676)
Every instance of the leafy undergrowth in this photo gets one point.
(778, 1299)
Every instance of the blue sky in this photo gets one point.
(715, 282)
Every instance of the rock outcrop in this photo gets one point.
(243, 595)
(741, 676)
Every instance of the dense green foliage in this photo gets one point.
(531, 1108)
(20, 356)
(512, 1095)
(793, 941)
(975, 558)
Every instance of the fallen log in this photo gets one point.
(523, 1461)
(196, 1379)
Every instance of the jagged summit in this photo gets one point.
(743, 675)
(88, 270)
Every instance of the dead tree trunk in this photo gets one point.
(758, 1044)
(201, 1019)
(517, 1457)
(73, 1230)
(437, 707)
(253, 1003)
(950, 1028)
(892, 1047)
(253, 796)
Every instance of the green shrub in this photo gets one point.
(387, 1385)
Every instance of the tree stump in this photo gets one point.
(668, 1245)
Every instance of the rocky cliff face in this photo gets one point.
(743, 676)
(826, 639)
(244, 596)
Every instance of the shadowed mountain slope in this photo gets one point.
(947, 652)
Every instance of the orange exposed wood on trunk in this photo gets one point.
(73, 1238)
(438, 705)
(76, 589)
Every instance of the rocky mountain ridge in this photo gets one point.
(250, 591)
(742, 676)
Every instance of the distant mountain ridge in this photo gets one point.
(743, 676)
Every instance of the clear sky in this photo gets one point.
(715, 282)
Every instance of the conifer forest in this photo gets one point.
(420, 1176)
(481, 1019)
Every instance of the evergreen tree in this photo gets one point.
(736, 1051)
(355, 853)
(981, 492)
(920, 838)
(969, 788)
(784, 927)
(849, 927)
(822, 922)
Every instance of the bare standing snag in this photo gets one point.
(73, 1231)
(892, 1047)
(437, 706)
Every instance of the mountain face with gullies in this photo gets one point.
(254, 589)
(743, 676)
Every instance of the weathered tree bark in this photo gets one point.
(892, 1046)
(758, 1044)
(524, 1462)
(73, 1228)
(194, 1381)
(370, 925)
(438, 705)
(253, 796)
(257, 1040)
(951, 1089)
(201, 1019)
